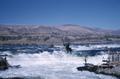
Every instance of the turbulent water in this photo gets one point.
(48, 64)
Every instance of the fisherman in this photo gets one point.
(85, 60)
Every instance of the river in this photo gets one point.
(47, 64)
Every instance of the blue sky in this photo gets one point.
(93, 13)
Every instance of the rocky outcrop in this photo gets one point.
(106, 70)
(3, 63)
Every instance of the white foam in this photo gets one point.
(79, 47)
(58, 65)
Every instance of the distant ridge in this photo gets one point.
(63, 29)
(41, 34)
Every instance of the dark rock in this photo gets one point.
(3, 63)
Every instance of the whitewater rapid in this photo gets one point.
(57, 65)
(51, 65)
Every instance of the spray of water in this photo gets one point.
(57, 65)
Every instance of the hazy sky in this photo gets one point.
(93, 13)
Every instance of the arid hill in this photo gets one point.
(39, 34)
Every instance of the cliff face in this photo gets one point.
(39, 34)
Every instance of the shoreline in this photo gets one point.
(107, 71)
(87, 44)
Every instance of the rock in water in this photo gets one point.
(3, 63)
